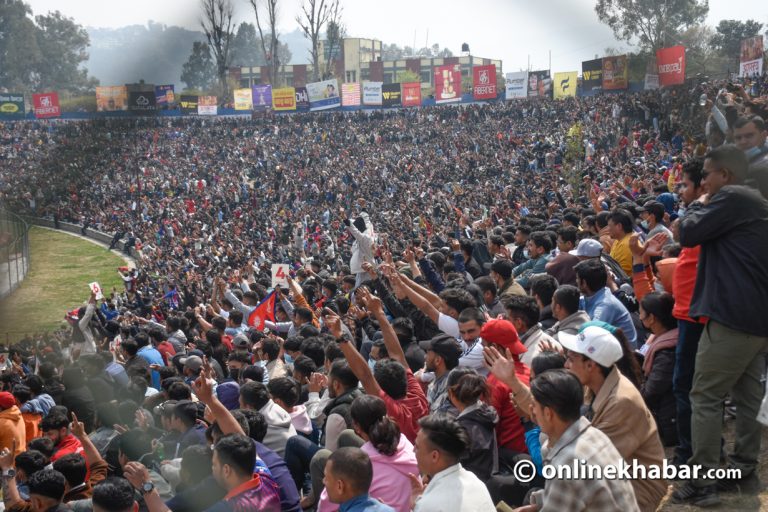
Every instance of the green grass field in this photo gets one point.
(61, 267)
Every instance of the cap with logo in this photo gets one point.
(594, 343)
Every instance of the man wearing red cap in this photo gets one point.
(12, 426)
(510, 433)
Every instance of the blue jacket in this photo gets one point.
(605, 307)
(524, 271)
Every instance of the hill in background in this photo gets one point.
(155, 53)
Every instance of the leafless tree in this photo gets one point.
(268, 20)
(218, 25)
(334, 36)
(315, 14)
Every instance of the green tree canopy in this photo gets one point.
(199, 72)
(730, 33)
(651, 24)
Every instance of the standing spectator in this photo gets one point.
(730, 223)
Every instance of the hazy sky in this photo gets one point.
(511, 30)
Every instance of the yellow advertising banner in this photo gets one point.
(111, 98)
(564, 84)
(243, 99)
(284, 99)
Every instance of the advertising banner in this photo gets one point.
(564, 84)
(302, 99)
(484, 82)
(164, 95)
(11, 105)
(592, 75)
(262, 97)
(207, 106)
(323, 95)
(142, 102)
(539, 84)
(188, 104)
(651, 81)
(243, 99)
(516, 85)
(46, 105)
(751, 57)
(350, 95)
(411, 94)
(671, 65)
(111, 98)
(447, 84)
(390, 94)
(615, 72)
(372, 93)
(284, 99)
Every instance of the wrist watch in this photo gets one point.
(342, 339)
(9, 473)
(147, 487)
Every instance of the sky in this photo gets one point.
(511, 30)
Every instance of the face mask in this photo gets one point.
(288, 358)
(526, 253)
(644, 224)
(752, 152)
(371, 363)
(262, 363)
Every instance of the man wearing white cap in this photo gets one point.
(587, 248)
(617, 408)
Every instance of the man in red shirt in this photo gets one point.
(55, 426)
(391, 380)
(510, 433)
(689, 330)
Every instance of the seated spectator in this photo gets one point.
(561, 266)
(556, 408)
(13, 431)
(391, 455)
(501, 274)
(114, 495)
(524, 313)
(543, 287)
(439, 446)
(565, 309)
(32, 420)
(443, 353)
(255, 396)
(46, 493)
(468, 392)
(55, 426)
(599, 302)
(617, 408)
(348, 478)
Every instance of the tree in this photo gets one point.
(650, 24)
(63, 45)
(334, 37)
(268, 21)
(315, 14)
(407, 76)
(199, 72)
(700, 56)
(217, 24)
(729, 35)
(246, 47)
(19, 52)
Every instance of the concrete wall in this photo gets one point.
(93, 234)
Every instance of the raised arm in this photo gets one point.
(357, 364)
(374, 306)
(204, 392)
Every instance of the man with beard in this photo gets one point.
(443, 354)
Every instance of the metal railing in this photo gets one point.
(14, 251)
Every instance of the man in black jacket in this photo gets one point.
(730, 223)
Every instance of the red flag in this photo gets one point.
(263, 312)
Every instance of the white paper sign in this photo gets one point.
(96, 288)
(279, 275)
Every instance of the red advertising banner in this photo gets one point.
(411, 94)
(447, 83)
(484, 82)
(46, 105)
(671, 65)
